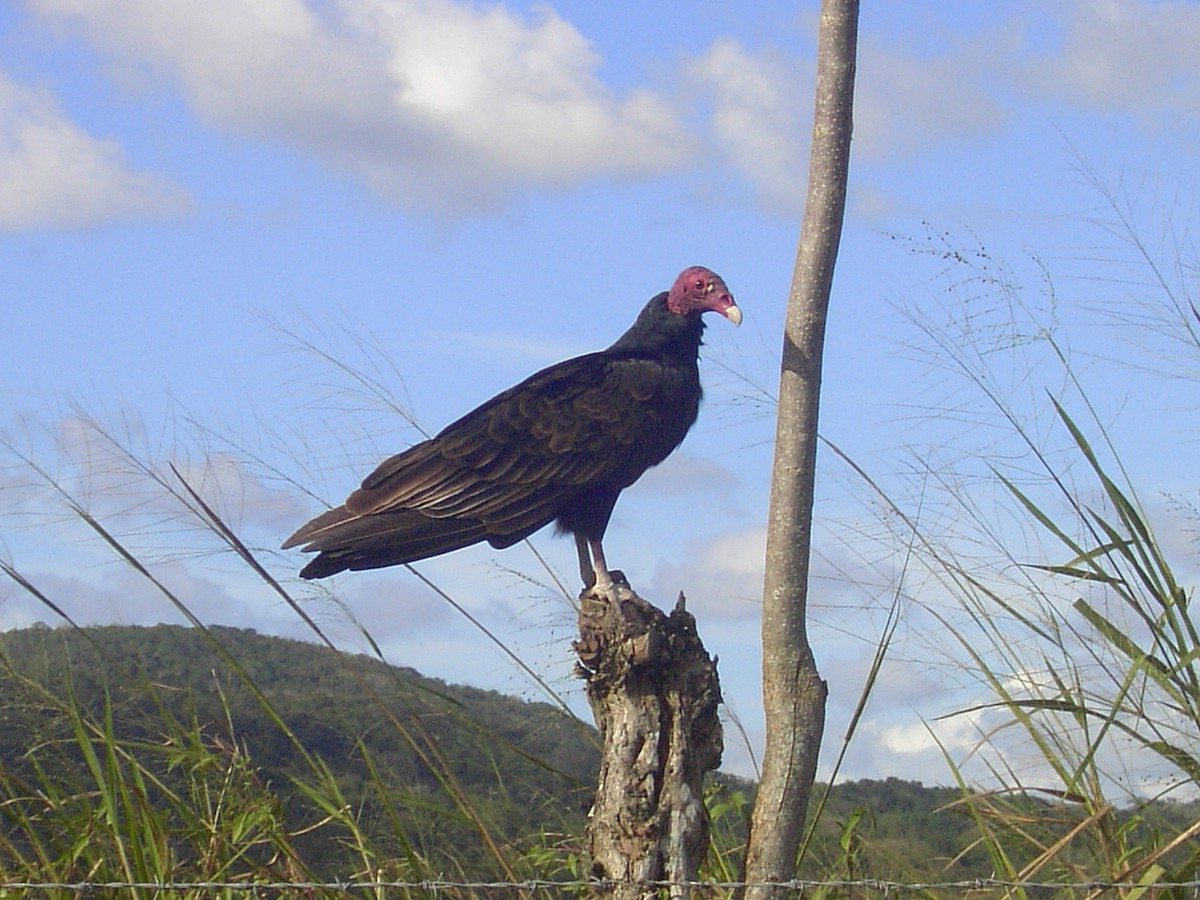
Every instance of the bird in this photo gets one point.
(559, 447)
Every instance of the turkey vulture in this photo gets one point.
(561, 445)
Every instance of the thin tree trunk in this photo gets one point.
(793, 692)
(654, 692)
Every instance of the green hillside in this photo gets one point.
(526, 767)
(369, 767)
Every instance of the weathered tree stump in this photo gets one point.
(654, 692)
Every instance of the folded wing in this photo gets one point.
(509, 467)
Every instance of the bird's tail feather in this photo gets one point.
(347, 541)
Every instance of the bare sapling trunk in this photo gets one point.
(654, 693)
(793, 692)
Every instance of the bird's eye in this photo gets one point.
(699, 285)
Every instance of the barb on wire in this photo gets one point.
(864, 884)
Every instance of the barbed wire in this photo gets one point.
(438, 886)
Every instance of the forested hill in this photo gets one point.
(330, 701)
(390, 738)
(402, 750)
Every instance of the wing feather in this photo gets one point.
(512, 465)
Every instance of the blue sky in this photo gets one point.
(199, 201)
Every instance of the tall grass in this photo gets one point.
(184, 802)
(1099, 697)
(97, 807)
(1061, 600)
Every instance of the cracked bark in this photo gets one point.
(654, 692)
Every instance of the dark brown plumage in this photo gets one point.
(559, 446)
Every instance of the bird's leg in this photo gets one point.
(586, 572)
(602, 582)
(592, 567)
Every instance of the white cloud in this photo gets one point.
(430, 101)
(955, 734)
(124, 479)
(115, 593)
(456, 106)
(525, 93)
(757, 124)
(685, 475)
(724, 576)
(240, 496)
(55, 175)
(1106, 56)
(919, 92)
(906, 102)
(1125, 55)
